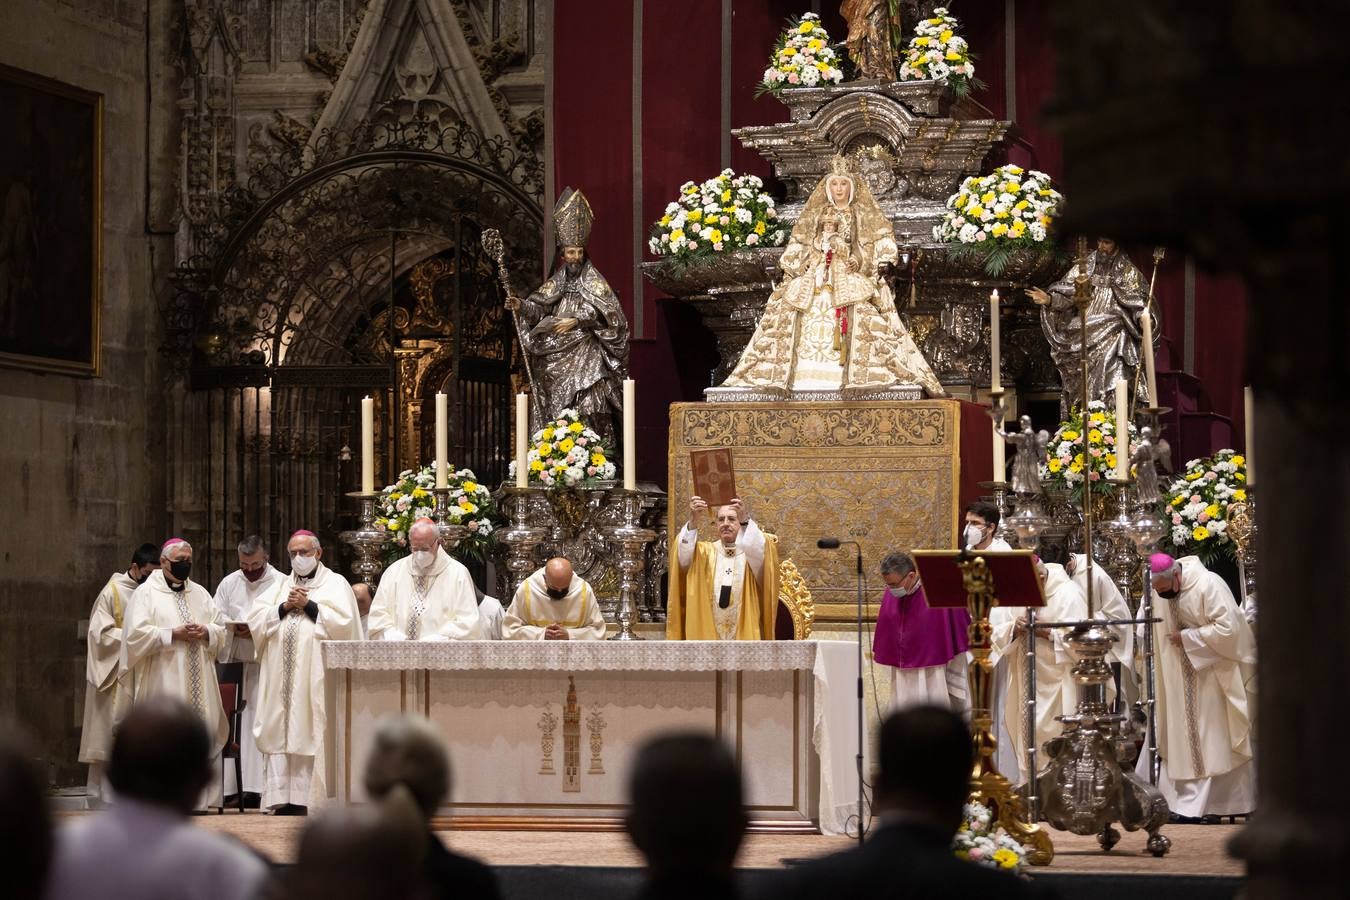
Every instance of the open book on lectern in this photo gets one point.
(1012, 572)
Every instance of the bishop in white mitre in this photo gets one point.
(1205, 653)
(236, 594)
(1108, 604)
(554, 604)
(1055, 691)
(426, 596)
(310, 605)
(171, 640)
(107, 690)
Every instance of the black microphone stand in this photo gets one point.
(830, 544)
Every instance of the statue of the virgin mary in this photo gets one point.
(831, 324)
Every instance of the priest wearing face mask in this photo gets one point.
(1205, 654)
(1056, 694)
(923, 647)
(554, 604)
(235, 596)
(982, 520)
(172, 638)
(310, 605)
(107, 691)
(426, 596)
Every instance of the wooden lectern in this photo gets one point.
(980, 580)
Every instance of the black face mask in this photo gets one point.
(556, 593)
(181, 569)
(1168, 595)
(140, 579)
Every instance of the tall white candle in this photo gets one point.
(629, 436)
(1249, 426)
(442, 440)
(1122, 432)
(1150, 376)
(1000, 461)
(367, 445)
(522, 438)
(995, 382)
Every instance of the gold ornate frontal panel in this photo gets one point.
(883, 474)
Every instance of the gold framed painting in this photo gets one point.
(51, 225)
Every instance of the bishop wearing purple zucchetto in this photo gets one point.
(924, 648)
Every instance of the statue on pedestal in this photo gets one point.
(1119, 297)
(873, 33)
(831, 324)
(574, 331)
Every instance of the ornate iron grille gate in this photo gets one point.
(355, 270)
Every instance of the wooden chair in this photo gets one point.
(231, 679)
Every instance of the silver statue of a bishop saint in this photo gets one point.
(831, 324)
(1119, 297)
(574, 330)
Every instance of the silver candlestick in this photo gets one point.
(451, 533)
(630, 540)
(366, 541)
(520, 537)
(1000, 489)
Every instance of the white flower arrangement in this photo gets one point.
(1085, 451)
(938, 53)
(410, 498)
(802, 57)
(566, 453)
(725, 213)
(986, 844)
(995, 214)
(1197, 505)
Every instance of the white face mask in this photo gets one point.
(974, 535)
(424, 559)
(304, 565)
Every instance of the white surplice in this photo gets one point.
(491, 616)
(1108, 603)
(1205, 697)
(107, 689)
(159, 666)
(235, 596)
(291, 716)
(532, 610)
(1055, 691)
(437, 605)
(184, 670)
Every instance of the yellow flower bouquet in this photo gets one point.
(411, 498)
(997, 214)
(802, 57)
(1083, 450)
(938, 53)
(1197, 506)
(723, 214)
(566, 453)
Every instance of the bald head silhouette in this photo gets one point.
(161, 755)
(558, 573)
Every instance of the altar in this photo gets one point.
(541, 734)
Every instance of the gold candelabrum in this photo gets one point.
(987, 785)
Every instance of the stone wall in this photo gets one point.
(82, 457)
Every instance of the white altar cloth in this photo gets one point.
(544, 732)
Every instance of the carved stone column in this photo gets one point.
(1218, 157)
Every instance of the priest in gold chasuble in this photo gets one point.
(831, 324)
(727, 589)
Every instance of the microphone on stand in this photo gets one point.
(833, 543)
